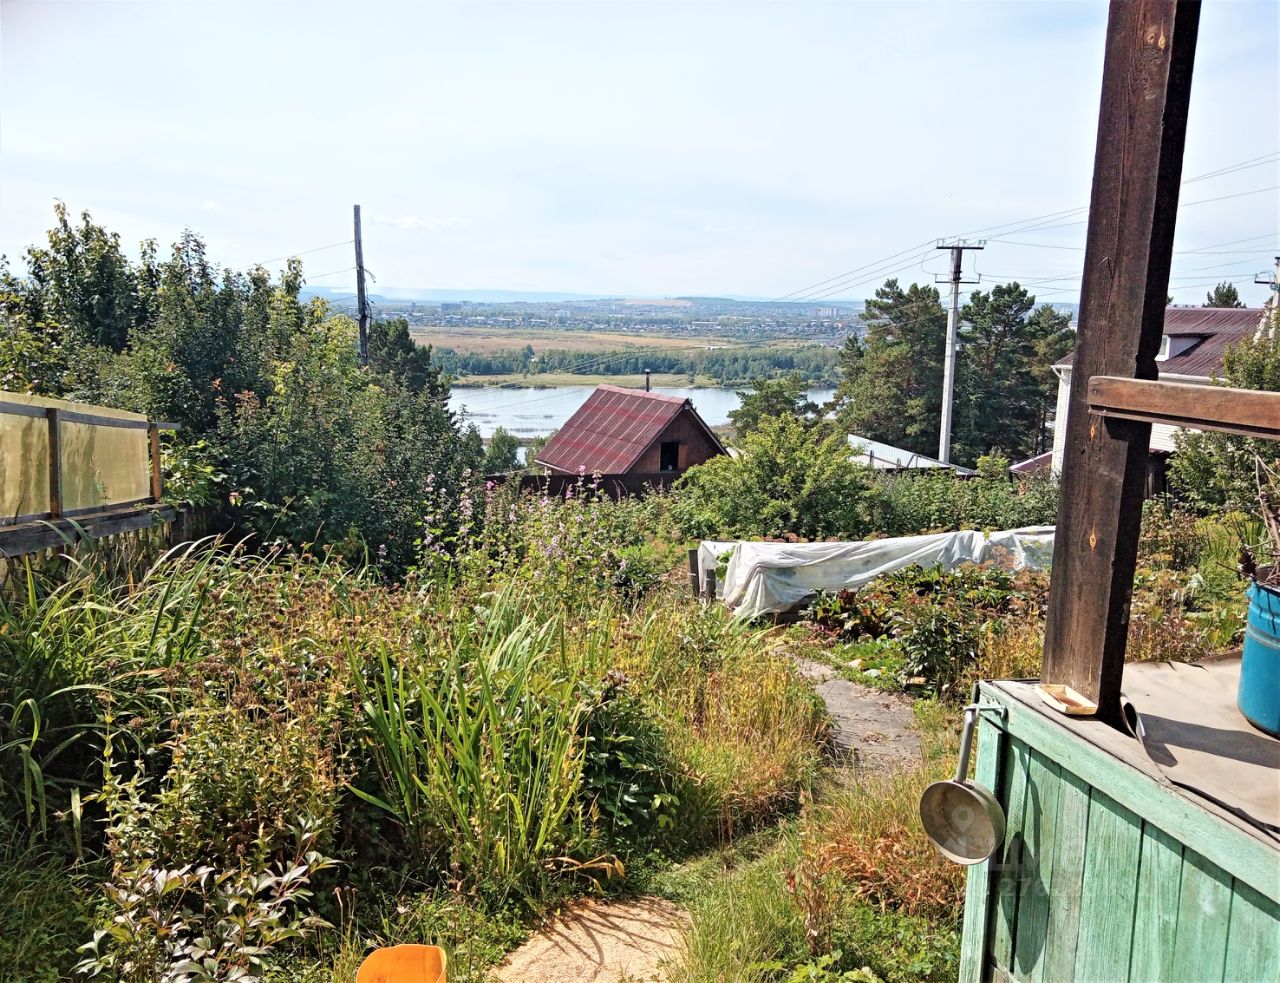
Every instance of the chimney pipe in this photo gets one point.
(646, 380)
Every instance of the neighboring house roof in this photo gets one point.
(1040, 464)
(612, 430)
(875, 454)
(1216, 328)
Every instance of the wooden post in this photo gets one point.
(711, 584)
(693, 572)
(157, 483)
(55, 464)
(1146, 87)
(362, 306)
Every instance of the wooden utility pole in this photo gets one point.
(1142, 126)
(362, 307)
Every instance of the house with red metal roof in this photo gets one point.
(1191, 350)
(630, 431)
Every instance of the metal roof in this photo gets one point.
(889, 458)
(1040, 464)
(612, 429)
(1218, 327)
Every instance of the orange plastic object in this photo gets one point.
(404, 964)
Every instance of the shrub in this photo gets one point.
(789, 479)
(940, 621)
(909, 503)
(181, 924)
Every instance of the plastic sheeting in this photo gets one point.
(769, 578)
(101, 465)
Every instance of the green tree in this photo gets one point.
(1223, 295)
(393, 352)
(788, 479)
(314, 448)
(1005, 384)
(787, 396)
(503, 453)
(534, 447)
(1214, 470)
(891, 381)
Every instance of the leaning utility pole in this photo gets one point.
(949, 362)
(362, 308)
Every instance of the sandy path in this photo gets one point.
(599, 942)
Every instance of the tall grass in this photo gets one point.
(481, 757)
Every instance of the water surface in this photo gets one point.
(529, 412)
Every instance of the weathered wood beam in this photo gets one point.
(54, 441)
(1146, 87)
(36, 536)
(1247, 412)
(153, 450)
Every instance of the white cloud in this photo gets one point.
(432, 223)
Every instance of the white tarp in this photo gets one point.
(768, 578)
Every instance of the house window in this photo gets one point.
(669, 455)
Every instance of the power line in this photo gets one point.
(317, 276)
(1242, 194)
(305, 252)
(1271, 158)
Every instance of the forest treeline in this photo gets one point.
(816, 364)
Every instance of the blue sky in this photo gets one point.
(639, 148)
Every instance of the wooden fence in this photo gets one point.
(54, 497)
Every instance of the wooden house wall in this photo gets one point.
(695, 446)
(1086, 889)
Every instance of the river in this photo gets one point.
(529, 412)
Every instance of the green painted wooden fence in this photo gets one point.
(1107, 874)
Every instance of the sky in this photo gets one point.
(618, 148)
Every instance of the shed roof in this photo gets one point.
(612, 429)
(883, 456)
(1216, 327)
(1040, 464)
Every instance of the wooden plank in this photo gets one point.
(1155, 920)
(1062, 932)
(153, 445)
(1253, 938)
(1146, 87)
(1204, 912)
(1039, 830)
(98, 420)
(1109, 893)
(37, 536)
(1071, 742)
(54, 418)
(1248, 412)
(21, 409)
(977, 890)
(1013, 796)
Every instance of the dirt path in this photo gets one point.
(876, 730)
(597, 942)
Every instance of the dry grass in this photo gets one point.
(869, 838)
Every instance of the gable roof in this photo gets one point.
(1217, 328)
(612, 429)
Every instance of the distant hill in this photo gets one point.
(385, 294)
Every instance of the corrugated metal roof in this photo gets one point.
(611, 430)
(1219, 327)
(876, 454)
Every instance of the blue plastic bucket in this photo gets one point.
(1259, 696)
